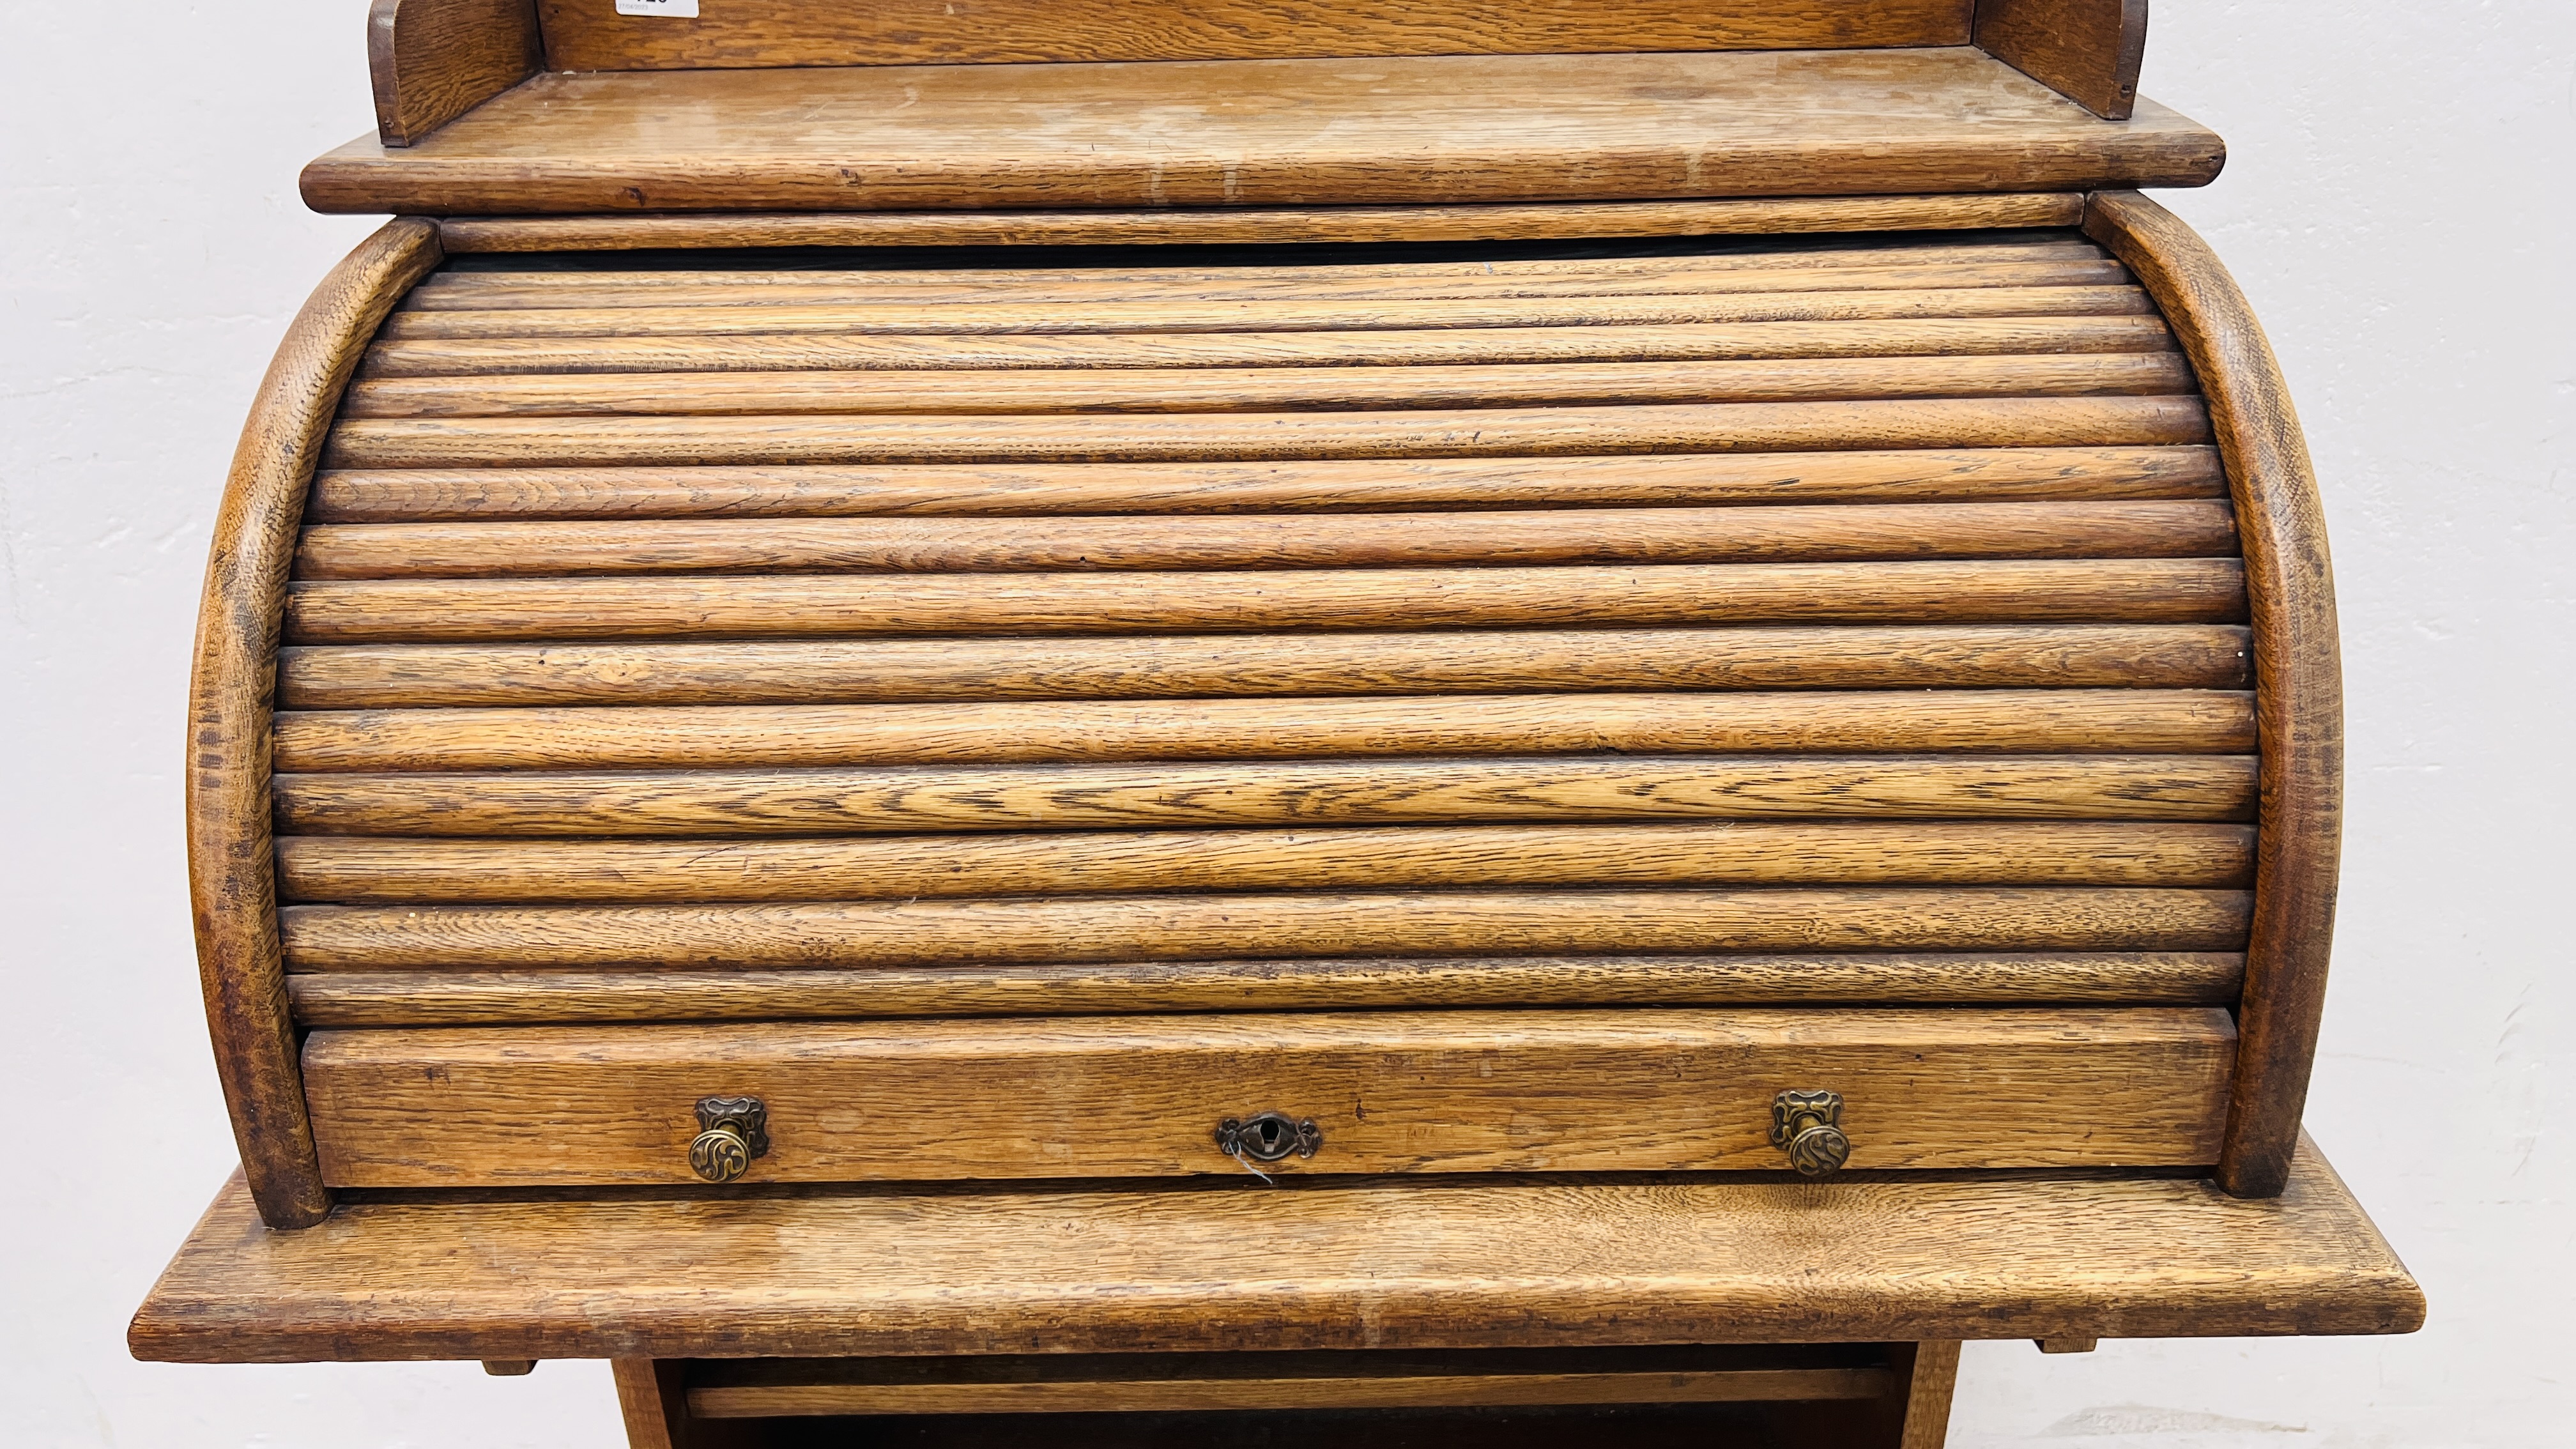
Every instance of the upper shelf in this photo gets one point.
(1385, 130)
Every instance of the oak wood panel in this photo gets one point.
(1546, 220)
(1481, 347)
(2299, 675)
(2080, 264)
(1477, 129)
(1479, 1091)
(1478, 432)
(433, 60)
(497, 998)
(1168, 928)
(2128, 721)
(2056, 656)
(1177, 390)
(1395, 1265)
(232, 887)
(1932, 1380)
(590, 35)
(359, 869)
(652, 1402)
(2198, 590)
(1271, 792)
(1175, 1384)
(1274, 315)
(534, 281)
(2086, 50)
(1055, 490)
(489, 291)
(2125, 530)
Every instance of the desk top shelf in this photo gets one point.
(1425, 129)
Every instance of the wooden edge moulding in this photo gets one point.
(232, 861)
(2298, 691)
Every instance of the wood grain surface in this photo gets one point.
(2037, 260)
(1490, 222)
(232, 886)
(1159, 390)
(2128, 721)
(515, 998)
(1223, 927)
(1340, 682)
(1452, 1091)
(1039, 269)
(2124, 530)
(1182, 795)
(2086, 50)
(2298, 672)
(526, 357)
(1077, 489)
(433, 60)
(1146, 1383)
(1389, 1265)
(1028, 605)
(360, 869)
(1477, 129)
(2155, 656)
(1260, 315)
(590, 35)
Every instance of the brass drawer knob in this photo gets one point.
(1268, 1136)
(731, 1132)
(1809, 1126)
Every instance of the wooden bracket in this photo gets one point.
(434, 60)
(2085, 50)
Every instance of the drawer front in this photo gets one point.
(1388, 1092)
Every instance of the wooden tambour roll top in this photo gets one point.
(1852, 691)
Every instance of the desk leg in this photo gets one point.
(1931, 1378)
(648, 1394)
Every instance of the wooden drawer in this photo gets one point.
(1538, 1091)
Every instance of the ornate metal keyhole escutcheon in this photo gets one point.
(1808, 1126)
(1268, 1136)
(731, 1132)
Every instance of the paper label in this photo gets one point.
(683, 9)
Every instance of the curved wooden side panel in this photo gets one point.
(2298, 675)
(231, 863)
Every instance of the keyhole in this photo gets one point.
(1270, 1134)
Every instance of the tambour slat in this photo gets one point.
(2003, 721)
(1053, 490)
(1899, 337)
(1075, 288)
(361, 869)
(477, 998)
(1005, 797)
(2206, 590)
(2167, 656)
(1390, 924)
(1272, 315)
(1430, 432)
(1772, 253)
(1170, 390)
(1785, 533)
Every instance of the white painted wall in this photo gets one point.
(2399, 208)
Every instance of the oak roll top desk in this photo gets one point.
(1099, 715)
